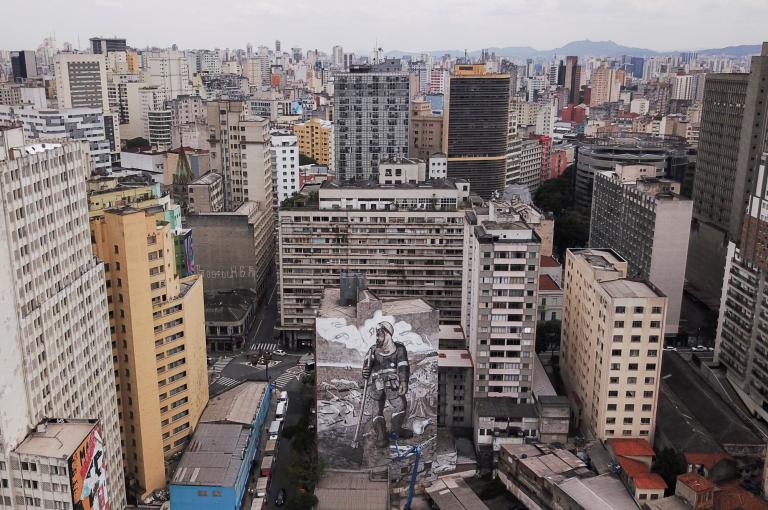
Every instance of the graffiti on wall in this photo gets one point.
(88, 474)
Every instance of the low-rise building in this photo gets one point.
(635, 458)
(213, 472)
(229, 316)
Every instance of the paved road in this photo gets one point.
(285, 455)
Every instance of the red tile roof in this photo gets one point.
(695, 482)
(631, 447)
(547, 283)
(733, 497)
(641, 477)
(706, 459)
(547, 261)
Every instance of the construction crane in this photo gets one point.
(413, 450)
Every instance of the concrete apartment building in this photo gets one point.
(740, 344)
(315, 139)
(240, 151)
(158, 338)
(284, 150)
(604, 86)
(370, 115)
(731, 135)
(56, 358)
(81, 82)
(612, 339)
(426, 136)
(501, 259)
(476, 136)
(407, 239)
(206, 194)
(168, 70)
(248, 232)
(647, 222)
(82, 124)
(530, 164)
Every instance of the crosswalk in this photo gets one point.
(223, 362)
(264, 346)
(286, 377)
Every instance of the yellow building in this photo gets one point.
(315, 139)
(158, 340)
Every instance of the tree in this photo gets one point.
(547, 335)
(306, 160)
(668, 464)
(136, 143)
(571, 230)
(300, 500)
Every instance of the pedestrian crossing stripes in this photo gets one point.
(283, 380)
(223, 362)
(226, 382)
(264, 346)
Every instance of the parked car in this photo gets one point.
(670, 348)
(699, 348)
(279, 352)
(280, 499)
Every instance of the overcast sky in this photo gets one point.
(409, 25)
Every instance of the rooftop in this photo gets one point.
(631, 447)
(542, 386)
(350, 490)
(214, 455)
(603, 492)
(503, 408)
(239, 405)
(207, 179)
(733, 497)
(330, 307)
(547, 261)
(452, 493)
(55, 440)
(707, 459)
(629, 289)
(547, 283)
(229, 306)
(695, 482)
(428, 184)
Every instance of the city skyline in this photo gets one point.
(481, 24)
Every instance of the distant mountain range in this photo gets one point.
(587, 48)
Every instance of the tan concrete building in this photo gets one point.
(240, 151)
(158, 341)
(315, 138)
(612, 334)
(426, 131)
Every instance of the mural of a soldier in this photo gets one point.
(386, 364)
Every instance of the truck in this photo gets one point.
(266, 465)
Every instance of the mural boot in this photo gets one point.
(397, 427)
(381, 433)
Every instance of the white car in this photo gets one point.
(670, 348)
(279, 352)
(273, 437)
(699, 348)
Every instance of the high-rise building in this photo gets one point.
(476, 137)
(23, 65)
(82, 124)
(240, 151)
(105, 45)
(604, 87)
(158, 338)
(426, 136)
(168, 70)
(315, 139)
(740, 344)
(56, 361)
(407, 239)
(81, 82)
(501, 263)
(731, 136)
(572, 78)
(284, 150)
(612, 339)
(530, 164)
(370, 114)
(646, 221)
(337, 56)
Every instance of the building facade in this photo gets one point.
(56, 360)
(476, 137)
(648, 223)
(406, 239)
(611, 344)
(426, 136)
(371, 116)
(240, 151)
(158, 337)
(315, 139)
(530, 164)
(285, 165)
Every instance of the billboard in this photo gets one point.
(377, 380)
(88, 474)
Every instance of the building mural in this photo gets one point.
(377, 383)
(88, 473)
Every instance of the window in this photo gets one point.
(656, 309)
(653, 339)
(653, 352)
(614, 380)
(618, 338)
(629, 407)
(639, 309)
(611, 407)
(635, 338)
(627, 421)
(655, 324)
(615, 366)
(647, 394)
(621, 309)
(650, 366)
(637, 324)
(610, 421)
(616, 352)
(613, 393)
(647, 407)
(634, 353)
(618, 324)
(650, 380)
(630, 394)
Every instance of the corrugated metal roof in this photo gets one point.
(239, 405)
